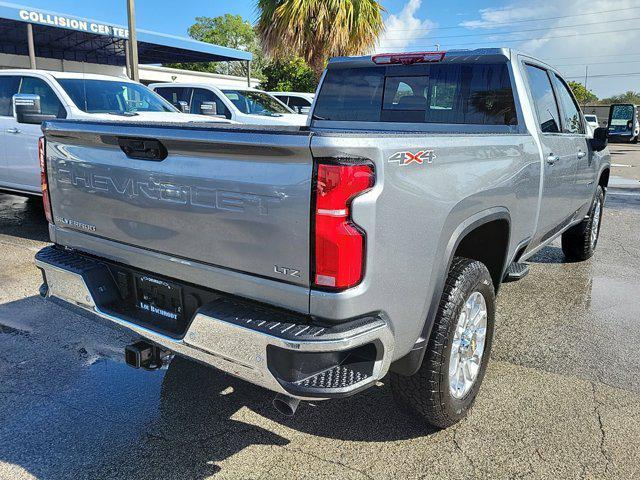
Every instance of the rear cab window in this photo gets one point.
(444, 93)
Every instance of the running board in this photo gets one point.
(516, 271)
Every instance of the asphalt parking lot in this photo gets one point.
(561, 398)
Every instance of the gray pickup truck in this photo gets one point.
(315, 261)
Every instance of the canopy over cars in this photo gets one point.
(67, 37)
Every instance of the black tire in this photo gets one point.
(577, 242)
(427, 392)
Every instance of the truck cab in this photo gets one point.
(246, 105)
(66, 95)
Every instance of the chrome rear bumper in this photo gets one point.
(270, 348)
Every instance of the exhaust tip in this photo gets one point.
(287, 406)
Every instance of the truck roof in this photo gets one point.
(206, 85)
(457, 56)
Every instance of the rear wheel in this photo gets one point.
(580, 241)
(445, 387)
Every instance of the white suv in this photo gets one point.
(243, 105)
(68, 95)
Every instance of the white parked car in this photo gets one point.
(243, 105)
(67, 95)
(592, 120)
(297, 101)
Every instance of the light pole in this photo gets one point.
(133, 41)
(586, 80)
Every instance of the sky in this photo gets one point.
(603, 35)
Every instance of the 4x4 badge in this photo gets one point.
(407, 158)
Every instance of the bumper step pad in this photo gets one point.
(337, 377)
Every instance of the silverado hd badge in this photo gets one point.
(419, 157)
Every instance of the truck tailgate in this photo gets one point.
(227, 197)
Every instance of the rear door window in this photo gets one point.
(299, 104)
(175, 95)
(544, 99)
(9, 85)
(472, 94)
(571, 112)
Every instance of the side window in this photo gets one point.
(299, 104)
(173, 95)
(49, 101)
(572, 121)
(544, 99)
(202, 95)
(8, 88)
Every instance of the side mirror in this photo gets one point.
(27, 109)
(183, 106)
(600, 139)
(209, 108)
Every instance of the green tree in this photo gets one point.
(289, 75)
(318, 29)
(583, 95)
(628, 97)
(228, 31)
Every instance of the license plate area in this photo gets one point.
(159, 298)
(164, 305)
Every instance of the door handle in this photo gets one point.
(13, 130)
(552, 159)
(581, 154)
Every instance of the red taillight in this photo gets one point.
(44, 184)
(408, 58)
(339, 244)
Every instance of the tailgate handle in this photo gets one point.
(143, 149)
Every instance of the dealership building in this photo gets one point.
(33, 38)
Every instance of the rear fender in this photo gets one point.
(410, 363)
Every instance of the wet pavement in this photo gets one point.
(561, 398)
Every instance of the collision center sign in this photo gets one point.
(81, 25)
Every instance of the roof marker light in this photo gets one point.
(408, 58)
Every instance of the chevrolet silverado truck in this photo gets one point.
(316, 261)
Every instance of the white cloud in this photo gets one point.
(494, 17)
(560, 44)
(403, 29)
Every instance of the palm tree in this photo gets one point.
(319, 29)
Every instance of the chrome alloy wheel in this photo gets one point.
(468, 346)
(595, 224)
